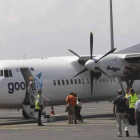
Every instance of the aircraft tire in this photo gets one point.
(24, 114)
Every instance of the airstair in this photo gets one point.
(29, 107)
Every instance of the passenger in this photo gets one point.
(120, 113)
(127, 108)
(31, 90)
(71, 101)
(39, 106)
(78, 108)
(137, 116)
(31, 85)
(132, 100)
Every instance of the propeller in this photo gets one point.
(93, 62)
(105, 55)
(92, 74)
(97, 68)
(91, 45)
(81, 72)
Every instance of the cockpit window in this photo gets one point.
(8, 73)
(1, 73)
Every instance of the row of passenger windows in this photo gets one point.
(6, 73)
(78, 81)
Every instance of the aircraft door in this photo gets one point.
(29, 98)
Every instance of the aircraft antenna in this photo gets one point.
(24, 56)
(111, 26)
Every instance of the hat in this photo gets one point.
(31, 78)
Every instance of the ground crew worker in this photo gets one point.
(137, 116)
(132, 100)
(39, 106)
(119, 110)
(71, 101)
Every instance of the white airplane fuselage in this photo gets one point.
(54, 77)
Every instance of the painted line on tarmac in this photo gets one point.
(77, 129)
(97, 129)
(60, 129)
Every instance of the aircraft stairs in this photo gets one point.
(28, 107)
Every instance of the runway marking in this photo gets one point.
(42, 129)
(96, 129)
(76, 129)
(59, 129)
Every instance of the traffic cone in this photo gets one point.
(52, 111)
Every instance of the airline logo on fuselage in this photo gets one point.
(15, 86)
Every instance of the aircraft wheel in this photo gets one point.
(24, 114)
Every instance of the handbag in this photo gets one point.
(67, 108)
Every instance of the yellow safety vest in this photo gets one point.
(132, 100)
(37, 104)
(126, 95)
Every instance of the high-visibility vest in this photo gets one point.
(37, 104)
(127, 95)
(132, 100)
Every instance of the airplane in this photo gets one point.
(58, 76)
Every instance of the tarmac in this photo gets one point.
(98, 124)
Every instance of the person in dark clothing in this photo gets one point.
(137, 116)
(78, 107)
(119, 110)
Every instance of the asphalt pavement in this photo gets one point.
(97, 125)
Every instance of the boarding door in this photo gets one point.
(30, 95)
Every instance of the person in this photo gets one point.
(137, 116)
(39, 106)
(132, 100)
(31, 89)
(71, 101)
(119, 110)
(78, 107)
(31, 85)
(127, 108)
(127, 93)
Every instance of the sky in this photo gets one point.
(47, 28)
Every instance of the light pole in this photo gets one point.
(111, 26)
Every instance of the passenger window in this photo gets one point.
(79, 81)
(67, 82)
(10, 73)
(5, 73)
(71, 81)
(58, 82)
(63, 82)
(1, 73)
(54, 82)
(83, 82)
(75, 81)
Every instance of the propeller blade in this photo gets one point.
(92, 76)
(91, 45)
(105, 55)
(97, 68)
(81, 72)
(74, 53)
